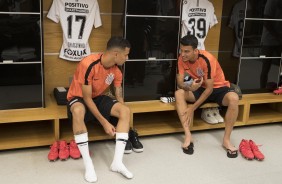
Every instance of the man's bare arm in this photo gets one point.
(181, 84)
(119, 94)
(205, 94)
(193, 87)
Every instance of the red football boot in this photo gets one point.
(278, 91)
(54, 151)
(74, 151)
(258, 155)
(64, 152)
(246, 150)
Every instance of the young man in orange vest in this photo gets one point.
(208, 85)
(86, 101)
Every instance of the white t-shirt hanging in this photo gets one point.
(197, 18)
(77, 18)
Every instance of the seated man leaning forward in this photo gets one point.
(209, 85)
(92, 78)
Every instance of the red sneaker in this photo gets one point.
(74, 151)
(245, 149)
(64, 152)
(258, 155)
(278, 91)
(54, 151)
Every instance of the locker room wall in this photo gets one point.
(228, 62)
(58, 71)
(213, 37)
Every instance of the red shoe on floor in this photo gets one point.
(74, 151)
(246, 150)
(54, 151)
(64, 152)
(278, 91)
(258, 155)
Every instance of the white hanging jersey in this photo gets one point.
(197, 18)
(237, 24)
(77, 18)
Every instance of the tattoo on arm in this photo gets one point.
(118, 92)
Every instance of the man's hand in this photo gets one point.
(196, 84)
(188, 116)
(109, 129)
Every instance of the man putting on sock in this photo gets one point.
(87, 101)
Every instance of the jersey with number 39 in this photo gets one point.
(77, 18)
(197, 18)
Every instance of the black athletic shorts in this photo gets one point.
(104, 104)
(216, 96)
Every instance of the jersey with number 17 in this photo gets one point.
(197, 18)
(77, 18)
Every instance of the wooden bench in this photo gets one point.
(28, 127)
(41, 126)
(155, 117)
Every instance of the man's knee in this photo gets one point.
(233, 99)
(124, 115)
(124, 111)
(77, 112)
(179, 94)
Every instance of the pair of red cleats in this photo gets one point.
(250, 150)
(61, 150)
